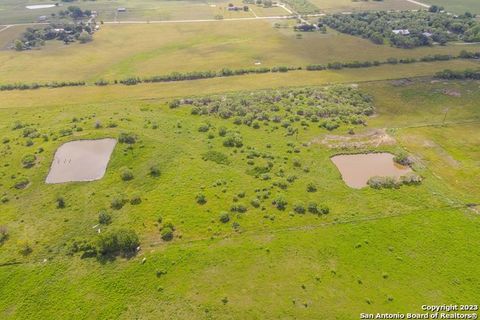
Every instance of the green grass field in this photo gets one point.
(333, 6)
(385, 250)
(190, 47)
(458, 6)
(278, 264)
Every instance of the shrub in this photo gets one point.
(324, 209)
(402, 158)
(224, 217)
(25, 248)
(126, 175)
(128, 138)
(312, 208)
(135, 200)
(104, 218)
(311, 187)
(280, 203)
(117, 203)
(3, 234)
(155, 171)
(60, 202)
(383, 182)
(167, 234)
(28, 160)
(233, 139)
(201, 199)
(299, 208)
(216, 157)
(411, 179)
(204, 128)
(119, 241)
(21, 183)
(222, 131)
(255, 202)
(238, 207)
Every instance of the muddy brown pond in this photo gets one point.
(356, 169)
(82, 160)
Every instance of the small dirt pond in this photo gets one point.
(82, 160)
(356, 169)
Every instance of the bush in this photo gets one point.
(117, 203)
(216, 157)
(25, 248)
(201, 199)
(280, 203)
(383, 182)
(28, 160)
(411, 179)
(21, 183)
(224, 217)
(155, 171)
(324, 209)
(135, 200)
(60, 202)
(312, 208)
(402, 158)
(222, 131)
(167, 234)
(238, 208)
(3, 234)
(299, 208)
(104, 218)
(255, 202)
(233, 139)
(128, 138)
(119, 241)
(204, 128)
(311, 187)
(126, 175)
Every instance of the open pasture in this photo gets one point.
(404, 230)
(335, 6)
(457, 6)
(193, 47)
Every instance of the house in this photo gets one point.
(427, 34)
(42, 18)
(121, 9)
(403, 32)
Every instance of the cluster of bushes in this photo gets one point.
(458, 75)
(412, 28)
(394, 183)
(116, 242)
(329, 107)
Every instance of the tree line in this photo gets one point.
(226, 72)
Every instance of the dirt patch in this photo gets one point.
(402, 82)
(372, 138)
(357, 169)
(82, 160)
(452, 92)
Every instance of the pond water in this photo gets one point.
(356, 169)
(82, 160)
(40, 6)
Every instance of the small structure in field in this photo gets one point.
(402, 32)
(121, 9)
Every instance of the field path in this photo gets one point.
(419, 3)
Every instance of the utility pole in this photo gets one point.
(445, 116)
